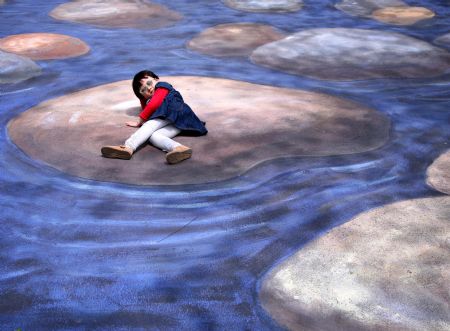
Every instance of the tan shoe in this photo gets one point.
(117, 152)
(178, 154)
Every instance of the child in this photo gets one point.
(164, 115)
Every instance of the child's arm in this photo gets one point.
(155, 102)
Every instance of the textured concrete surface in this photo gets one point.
(234, 39)
(386, 269)
(438, 174)
(44, 46)
(402, 15)
(352, 54)
(277, 6)
(15, 68)
(117, 13)
(247, 124)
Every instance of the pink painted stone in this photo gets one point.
(116, 13)
(234, 39)
(402, 15)
(247, 124)
(44, 46)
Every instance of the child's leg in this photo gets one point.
(162, 138)
(145, 132)
(176, 151)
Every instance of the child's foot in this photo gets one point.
(117, 152)
(178, 154)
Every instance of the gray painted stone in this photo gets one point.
(116, 13)
(366, 7)
(438, 174)
(15, 68)
(351, 54)
(443, 40)
(386, 269)
(265, 5)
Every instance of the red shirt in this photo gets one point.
(154, 103)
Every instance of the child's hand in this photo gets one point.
(134, 124)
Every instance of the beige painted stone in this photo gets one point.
(265, 6)
(364, 8)
(402, 15)
(247, 124)
(116, 13)
(234, 39)
(44, 46)
(386, 269)
(438, 174)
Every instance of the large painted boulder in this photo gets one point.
(15, 68)
(247, 124)
(234, 39)
(44, 46)
(116, 13)
(386, 269)
(352, 54)
(265, 6)
(438, 174)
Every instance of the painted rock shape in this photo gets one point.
(438, 174)
(443, 40)
(235, 39)
(351, 54)
(365, 8)
(44, 46)
(247, 124)
(15, 68)
(386, 269)
(116, 13)
(277, 6)
(402, 15)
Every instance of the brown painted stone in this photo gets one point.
(235, 39)
(438, 174)
(247, 124)
(402, 15)
(116, 13)
(386, 269)
(44, 46)
(265, 6)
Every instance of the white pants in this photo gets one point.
(158, 132)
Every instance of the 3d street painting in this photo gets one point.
(317, 201)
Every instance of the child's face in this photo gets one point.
(147, 87)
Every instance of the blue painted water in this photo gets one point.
(81, 254)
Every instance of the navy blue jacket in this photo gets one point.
(175, 110)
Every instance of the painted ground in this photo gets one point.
(317, 201)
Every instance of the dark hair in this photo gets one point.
(137, 81)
